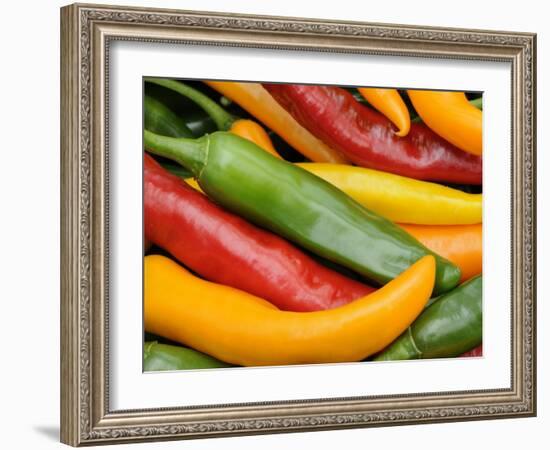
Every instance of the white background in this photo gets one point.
(29, 184)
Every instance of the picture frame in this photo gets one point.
(87, 33)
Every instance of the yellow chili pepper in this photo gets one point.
(450, 115)
(258, 102)
(254, 132)
(402, 199)
(193, 183)
(239, 328)
(389, 103)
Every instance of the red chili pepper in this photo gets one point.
(226, 249)
(367, 138)
(477, 351)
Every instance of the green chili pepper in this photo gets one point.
(448, 327)
(299, 206)
(160, 119)
(220, 116)
(196, 120)
(199, 122)
(170, 357)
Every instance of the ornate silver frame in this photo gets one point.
(86, 31)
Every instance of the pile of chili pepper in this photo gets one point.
(302, 224)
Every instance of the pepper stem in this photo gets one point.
(220, 116)
(190, 153)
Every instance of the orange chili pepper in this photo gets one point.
(460, 244)
(450, 115)
(389, 103)
(254, 132)
(258, 102)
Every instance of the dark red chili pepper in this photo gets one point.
(477, 351)
(226, 249)
(368, 139)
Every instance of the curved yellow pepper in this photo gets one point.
(239, 328)
(397, 198)
(259, 103)
(450, 115)
(389, 103)
(402, 199)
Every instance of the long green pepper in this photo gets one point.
(448, 327)
(171, 357)
(299, 206)
(158, 118)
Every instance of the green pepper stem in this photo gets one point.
(220, 116)
(190, 153)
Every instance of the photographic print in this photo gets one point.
(304, 224)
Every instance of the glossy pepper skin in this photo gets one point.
(401, 199)
(448, 327)
(389, 103)
(367, 138)
(298, 206)
(252, 131)
(259, 103)
(224, 121)
(224, 248)
(460, 244)
(171, 357)
(241, 329)
(452, 117)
